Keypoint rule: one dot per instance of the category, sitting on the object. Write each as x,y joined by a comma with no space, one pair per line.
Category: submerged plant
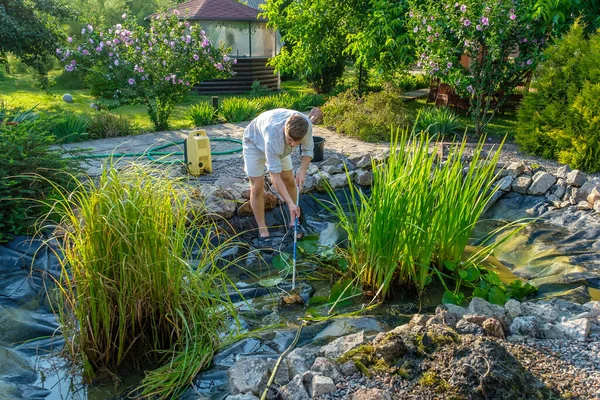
130,294
419,217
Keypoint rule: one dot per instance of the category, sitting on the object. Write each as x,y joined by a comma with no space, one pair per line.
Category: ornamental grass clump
419,216
238,109
134,294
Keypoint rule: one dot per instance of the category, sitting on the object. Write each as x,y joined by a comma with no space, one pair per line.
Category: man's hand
294,211
300,178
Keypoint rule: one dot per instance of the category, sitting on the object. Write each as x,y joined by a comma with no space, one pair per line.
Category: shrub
307,101
417,221
237,109
132,288
28,169
202,114
72,81
369,118
258,90
554,120
410,82
68,127
439,122
12,115
106,125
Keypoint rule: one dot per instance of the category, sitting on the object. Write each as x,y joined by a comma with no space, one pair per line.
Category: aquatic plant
133,291
419,217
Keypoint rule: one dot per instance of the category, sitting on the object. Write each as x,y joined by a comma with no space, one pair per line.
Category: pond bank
523,350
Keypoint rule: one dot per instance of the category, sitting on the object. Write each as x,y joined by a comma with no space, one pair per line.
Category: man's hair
296,126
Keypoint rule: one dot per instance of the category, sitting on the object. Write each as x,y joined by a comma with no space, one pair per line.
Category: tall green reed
131,294
419,216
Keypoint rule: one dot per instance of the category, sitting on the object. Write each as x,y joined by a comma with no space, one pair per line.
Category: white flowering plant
502,40
154,66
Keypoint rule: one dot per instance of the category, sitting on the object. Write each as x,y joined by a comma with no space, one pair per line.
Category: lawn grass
20,90
500,125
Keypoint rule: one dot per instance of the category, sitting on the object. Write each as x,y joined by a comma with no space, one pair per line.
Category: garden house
238,26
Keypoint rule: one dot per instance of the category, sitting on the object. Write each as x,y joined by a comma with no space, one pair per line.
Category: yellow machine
197,153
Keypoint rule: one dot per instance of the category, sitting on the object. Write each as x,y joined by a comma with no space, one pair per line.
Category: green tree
315,32
155,66
502,40
30,31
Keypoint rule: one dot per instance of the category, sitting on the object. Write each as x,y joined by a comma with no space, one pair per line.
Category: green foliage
300,102
558,119
238,109
202,114
369,117
492,289
560,14
68,127
14,115
419,217
106,125
28,170
155,66
408,82
130,291
258,90
315,33
439,122
30,31
502,40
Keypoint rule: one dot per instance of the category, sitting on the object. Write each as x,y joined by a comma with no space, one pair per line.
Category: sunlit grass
133,291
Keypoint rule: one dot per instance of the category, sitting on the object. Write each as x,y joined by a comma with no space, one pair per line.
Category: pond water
559,254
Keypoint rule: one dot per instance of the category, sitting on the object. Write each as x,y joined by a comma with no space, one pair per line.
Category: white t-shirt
267,133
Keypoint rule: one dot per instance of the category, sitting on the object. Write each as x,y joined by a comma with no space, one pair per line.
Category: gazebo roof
217,10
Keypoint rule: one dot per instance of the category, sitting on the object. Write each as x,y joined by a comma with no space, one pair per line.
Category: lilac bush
155,66
501,38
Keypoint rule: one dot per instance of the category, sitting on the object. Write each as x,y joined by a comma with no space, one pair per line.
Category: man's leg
290,184
257,202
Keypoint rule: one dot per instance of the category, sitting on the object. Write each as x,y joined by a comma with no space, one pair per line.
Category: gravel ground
571,370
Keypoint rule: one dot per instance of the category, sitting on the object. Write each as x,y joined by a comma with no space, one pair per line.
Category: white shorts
255,161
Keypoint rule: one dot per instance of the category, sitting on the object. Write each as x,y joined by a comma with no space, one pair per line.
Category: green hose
154,152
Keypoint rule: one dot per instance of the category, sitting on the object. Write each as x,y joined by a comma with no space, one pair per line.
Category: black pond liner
559,253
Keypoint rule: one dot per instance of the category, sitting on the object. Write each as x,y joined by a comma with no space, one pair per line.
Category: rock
245,396
332,169
444,318
451,308
333,160
563,171
584,206
576,178
476,319
468,328
316,116
542,182
559,188
312,169
342,345
594,195
555,200
493,327
67,98
235,187
349,369
338,181
294,390
220,207
321,385
310,184
513,308
597,206
363,178
522,184
364,162
581,193
516,168
543,310
505,183
526,326
593,306
480,306
322,181
389,346
250,375
420,319
371,394
577,329
323,366
301,359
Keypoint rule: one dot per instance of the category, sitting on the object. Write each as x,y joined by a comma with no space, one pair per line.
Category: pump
197,153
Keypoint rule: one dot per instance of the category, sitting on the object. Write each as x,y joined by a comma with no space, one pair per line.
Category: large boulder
482,307
521,184
576,178
526,326
342,345
320,385
323,366
301,359
251,374
542,182
581,193
294,390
